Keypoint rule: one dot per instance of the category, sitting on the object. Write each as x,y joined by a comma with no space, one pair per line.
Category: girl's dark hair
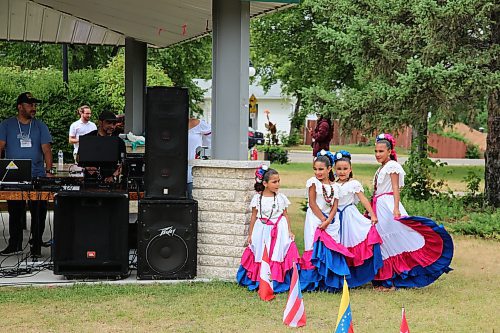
326,161
389,146
348,160
259,187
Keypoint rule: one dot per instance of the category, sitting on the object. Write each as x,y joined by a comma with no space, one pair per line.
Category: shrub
485,225
289,140
275,154
472,151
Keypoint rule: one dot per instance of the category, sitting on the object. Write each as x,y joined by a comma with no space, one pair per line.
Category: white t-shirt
200,135
80,128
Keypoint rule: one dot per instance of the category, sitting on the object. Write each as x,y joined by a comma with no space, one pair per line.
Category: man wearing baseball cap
24,137
106,127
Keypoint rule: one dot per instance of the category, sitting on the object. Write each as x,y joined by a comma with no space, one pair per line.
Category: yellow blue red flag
344,320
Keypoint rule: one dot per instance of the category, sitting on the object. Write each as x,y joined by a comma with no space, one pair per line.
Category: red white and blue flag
404,324
344,320
295,314
266,291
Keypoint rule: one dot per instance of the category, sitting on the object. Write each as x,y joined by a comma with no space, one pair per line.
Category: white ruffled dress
415,250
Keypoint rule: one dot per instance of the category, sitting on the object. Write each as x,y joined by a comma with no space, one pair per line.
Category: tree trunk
295,124
419,135
492,156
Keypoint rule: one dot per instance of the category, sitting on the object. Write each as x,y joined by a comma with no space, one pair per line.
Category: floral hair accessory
392,141
260,172
328,154
342,154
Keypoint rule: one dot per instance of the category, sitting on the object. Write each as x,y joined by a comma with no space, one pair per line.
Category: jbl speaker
167,113
90,234
167,236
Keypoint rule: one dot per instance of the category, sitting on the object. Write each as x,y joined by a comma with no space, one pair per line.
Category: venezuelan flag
344,320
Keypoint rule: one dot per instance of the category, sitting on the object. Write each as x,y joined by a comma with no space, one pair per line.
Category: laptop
98,150
15,171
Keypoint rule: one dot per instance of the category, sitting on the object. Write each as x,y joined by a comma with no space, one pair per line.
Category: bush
421,182
472,151
484,225
289,140
275,154
100,89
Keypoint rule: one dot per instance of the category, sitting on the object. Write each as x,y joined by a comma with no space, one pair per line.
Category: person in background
199,134
322,134
81,127
24,137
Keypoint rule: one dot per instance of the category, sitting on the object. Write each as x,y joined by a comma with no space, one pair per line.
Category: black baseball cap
26,97
107,115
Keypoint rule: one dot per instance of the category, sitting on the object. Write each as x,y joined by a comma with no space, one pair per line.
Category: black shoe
10,250
44,244
35,253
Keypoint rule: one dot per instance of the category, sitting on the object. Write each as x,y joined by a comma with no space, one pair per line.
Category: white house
280,107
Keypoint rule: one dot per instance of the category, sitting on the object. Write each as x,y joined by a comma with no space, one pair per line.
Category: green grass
462,301
295,175
353,149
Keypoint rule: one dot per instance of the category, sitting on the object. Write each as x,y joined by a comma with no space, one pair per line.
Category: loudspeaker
90,234
167,236
167,113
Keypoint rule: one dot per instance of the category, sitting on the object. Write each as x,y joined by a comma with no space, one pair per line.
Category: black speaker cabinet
167,113
167,235
90,234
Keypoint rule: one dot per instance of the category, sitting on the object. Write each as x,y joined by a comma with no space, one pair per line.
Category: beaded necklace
272,208
328,197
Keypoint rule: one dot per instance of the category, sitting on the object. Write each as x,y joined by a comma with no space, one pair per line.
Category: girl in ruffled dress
270,227
415,250
323,264
357,233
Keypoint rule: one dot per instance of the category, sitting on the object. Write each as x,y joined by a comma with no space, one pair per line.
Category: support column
135,83
230,51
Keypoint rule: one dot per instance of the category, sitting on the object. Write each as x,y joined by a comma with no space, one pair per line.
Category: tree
285,49
185,62
28,55
412,59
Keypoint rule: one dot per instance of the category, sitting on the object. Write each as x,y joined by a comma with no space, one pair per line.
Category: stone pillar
224,190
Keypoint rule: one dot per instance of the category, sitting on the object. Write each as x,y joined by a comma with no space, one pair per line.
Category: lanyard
21,132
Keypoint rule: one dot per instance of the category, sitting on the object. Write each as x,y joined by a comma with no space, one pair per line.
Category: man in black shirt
106,127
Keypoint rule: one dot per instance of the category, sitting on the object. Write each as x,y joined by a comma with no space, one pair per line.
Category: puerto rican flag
266,291
344,320
295,314
404,324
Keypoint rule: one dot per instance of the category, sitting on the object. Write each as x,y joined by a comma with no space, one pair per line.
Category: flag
404,324
266,291
344,320
295,314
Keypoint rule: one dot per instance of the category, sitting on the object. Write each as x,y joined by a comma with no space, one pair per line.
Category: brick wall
223,190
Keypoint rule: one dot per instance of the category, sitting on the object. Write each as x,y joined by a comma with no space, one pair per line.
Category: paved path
306,157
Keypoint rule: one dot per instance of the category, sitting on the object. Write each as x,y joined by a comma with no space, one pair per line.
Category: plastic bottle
60,160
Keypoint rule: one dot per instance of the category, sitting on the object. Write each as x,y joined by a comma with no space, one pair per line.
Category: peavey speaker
90,234
167,117
167,235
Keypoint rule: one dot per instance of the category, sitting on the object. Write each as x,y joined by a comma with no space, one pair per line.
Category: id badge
25,143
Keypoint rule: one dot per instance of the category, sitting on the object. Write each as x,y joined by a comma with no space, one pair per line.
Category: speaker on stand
167,117
167,239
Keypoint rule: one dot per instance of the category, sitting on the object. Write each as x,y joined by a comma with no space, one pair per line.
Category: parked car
255,138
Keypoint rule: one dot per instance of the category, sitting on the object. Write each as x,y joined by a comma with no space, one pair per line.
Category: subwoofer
167,236
90,234
167,113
